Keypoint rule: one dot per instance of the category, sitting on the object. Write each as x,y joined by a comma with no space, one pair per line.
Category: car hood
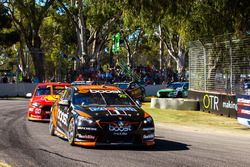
45,100
110,112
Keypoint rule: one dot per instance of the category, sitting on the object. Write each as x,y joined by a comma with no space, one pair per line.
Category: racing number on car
62,117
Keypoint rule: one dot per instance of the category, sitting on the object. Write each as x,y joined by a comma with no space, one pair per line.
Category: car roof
179,82
96,87
53,84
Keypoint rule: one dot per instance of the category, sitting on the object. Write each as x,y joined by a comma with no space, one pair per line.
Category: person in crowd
5,79
79,78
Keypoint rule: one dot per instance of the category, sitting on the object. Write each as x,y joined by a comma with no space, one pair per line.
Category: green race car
175,89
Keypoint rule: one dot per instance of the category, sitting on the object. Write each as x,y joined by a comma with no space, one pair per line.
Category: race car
174,89
45,94
133,89
93,115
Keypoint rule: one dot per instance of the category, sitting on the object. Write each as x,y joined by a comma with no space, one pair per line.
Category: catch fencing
220,64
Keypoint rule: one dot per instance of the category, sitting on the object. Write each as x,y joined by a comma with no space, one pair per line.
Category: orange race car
45,94
91,115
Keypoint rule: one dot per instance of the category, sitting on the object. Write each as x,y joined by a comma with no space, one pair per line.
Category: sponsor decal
87,128
62,117
210,102
85,136
148,129
97,109
120,128
36,116
243,114
51,98
243,111
117,112
105,91
112,108
243,100
31,109
38,111
148,136
229,104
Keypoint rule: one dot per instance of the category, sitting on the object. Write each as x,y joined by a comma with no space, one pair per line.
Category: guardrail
21,89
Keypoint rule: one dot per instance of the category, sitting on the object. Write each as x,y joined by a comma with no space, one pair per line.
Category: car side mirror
28,95
64,102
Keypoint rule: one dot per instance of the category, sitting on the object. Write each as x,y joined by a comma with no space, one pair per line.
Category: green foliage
185,19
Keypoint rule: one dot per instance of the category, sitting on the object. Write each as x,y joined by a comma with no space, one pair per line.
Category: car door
63,110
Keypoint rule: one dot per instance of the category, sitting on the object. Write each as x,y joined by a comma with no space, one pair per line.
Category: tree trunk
37,57
81,33
161,50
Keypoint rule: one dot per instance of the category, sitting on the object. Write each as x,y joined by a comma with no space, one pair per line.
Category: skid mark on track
62,156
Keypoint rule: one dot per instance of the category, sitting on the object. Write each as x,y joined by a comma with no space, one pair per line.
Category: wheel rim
71,130
51,125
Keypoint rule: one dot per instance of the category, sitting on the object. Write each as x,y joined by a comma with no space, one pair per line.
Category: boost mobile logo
119,128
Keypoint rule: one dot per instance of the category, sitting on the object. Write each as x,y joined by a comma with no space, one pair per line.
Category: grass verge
194,119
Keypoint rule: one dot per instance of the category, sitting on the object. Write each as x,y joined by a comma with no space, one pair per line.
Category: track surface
24,143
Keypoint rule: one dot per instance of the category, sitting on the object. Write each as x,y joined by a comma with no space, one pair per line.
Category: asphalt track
24,144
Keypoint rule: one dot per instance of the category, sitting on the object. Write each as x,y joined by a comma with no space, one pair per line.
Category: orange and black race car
92,115
45,94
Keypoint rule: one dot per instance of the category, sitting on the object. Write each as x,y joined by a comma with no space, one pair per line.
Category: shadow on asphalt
161,145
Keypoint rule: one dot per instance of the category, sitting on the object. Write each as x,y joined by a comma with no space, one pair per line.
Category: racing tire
51,127
179,95
71,132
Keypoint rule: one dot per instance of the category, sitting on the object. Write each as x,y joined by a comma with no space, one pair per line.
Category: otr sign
210,102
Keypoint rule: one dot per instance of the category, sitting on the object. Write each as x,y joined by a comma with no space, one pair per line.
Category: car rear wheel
71,131
179,95
51,127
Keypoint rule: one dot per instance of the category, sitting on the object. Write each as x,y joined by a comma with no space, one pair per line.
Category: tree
28,16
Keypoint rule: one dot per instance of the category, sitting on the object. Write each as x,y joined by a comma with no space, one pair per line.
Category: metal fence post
231,64
205,67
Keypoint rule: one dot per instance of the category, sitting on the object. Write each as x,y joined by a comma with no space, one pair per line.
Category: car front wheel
51,127
71,131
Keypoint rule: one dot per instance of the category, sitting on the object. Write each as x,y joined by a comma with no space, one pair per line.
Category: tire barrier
175,103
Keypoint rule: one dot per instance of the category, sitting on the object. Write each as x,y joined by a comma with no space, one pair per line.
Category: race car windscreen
174,86
117,99
43,91
58,90
102,98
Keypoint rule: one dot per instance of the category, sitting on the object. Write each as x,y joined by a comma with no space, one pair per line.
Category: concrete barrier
175,103
151,90
20,89
16,90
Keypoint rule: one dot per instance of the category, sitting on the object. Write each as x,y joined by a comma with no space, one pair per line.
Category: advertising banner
220,104
243,113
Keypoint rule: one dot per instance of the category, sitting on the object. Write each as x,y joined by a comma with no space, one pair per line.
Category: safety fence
219,73
220,64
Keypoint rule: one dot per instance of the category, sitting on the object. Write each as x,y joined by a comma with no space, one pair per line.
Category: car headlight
35,104
148,120
84,119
